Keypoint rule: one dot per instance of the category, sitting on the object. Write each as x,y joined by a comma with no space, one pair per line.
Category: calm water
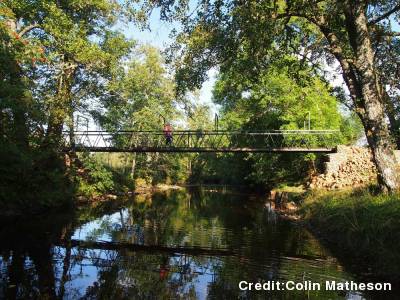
175,245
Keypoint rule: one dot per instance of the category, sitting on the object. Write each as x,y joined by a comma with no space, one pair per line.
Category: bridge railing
202,140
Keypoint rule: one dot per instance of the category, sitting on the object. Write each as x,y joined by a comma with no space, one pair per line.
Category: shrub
96,179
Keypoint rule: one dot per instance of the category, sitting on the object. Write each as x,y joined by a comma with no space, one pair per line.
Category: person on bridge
168,134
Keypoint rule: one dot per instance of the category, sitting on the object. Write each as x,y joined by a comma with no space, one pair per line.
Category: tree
63,51
56,58
143,100
343,31
15,101
280,100
387,47
71,49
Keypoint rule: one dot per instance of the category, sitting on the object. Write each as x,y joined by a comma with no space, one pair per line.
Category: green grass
365,225
299,189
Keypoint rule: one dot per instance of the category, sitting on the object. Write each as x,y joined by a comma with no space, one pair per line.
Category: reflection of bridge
115,246
204,141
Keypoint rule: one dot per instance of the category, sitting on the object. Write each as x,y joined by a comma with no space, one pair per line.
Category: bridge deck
201,150
189,141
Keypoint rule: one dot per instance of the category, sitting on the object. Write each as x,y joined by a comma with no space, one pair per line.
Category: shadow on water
189,245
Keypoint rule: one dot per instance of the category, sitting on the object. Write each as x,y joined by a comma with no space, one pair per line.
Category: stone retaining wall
349,167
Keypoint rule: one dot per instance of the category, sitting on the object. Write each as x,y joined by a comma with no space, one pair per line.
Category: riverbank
365,225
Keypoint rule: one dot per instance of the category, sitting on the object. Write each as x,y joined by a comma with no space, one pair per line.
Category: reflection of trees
156,247
27,248
30,266
150,273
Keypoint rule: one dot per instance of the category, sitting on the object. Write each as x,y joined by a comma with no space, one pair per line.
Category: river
181,244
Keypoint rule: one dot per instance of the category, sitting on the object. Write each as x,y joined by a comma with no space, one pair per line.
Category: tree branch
28,28
391,34
385,15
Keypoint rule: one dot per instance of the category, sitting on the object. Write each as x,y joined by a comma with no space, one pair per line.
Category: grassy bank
362,226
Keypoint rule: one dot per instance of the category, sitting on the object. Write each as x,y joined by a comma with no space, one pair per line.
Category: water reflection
177,245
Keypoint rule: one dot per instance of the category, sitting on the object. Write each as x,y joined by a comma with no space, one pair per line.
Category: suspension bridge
195,141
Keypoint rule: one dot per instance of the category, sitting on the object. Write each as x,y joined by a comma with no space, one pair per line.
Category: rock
291,206
350,166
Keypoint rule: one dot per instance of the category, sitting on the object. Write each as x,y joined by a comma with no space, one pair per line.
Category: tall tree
143,99
56,57
16,56
76,50
218,32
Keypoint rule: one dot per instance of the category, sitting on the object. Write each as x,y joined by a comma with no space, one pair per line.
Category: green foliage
144,100
249,37
55,58
97,181
144,94
350,129
58,59
276,99
28,189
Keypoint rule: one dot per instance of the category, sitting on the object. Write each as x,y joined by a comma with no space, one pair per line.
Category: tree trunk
365,89
61,109
371,104
72,131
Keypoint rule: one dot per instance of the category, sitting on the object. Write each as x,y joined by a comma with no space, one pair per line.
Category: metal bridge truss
203,141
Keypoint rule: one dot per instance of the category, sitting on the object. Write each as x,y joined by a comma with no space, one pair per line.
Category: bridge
195,141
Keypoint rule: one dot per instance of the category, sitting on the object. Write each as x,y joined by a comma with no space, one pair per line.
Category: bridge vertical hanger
80,120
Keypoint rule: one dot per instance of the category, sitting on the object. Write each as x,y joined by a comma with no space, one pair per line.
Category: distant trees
142,93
